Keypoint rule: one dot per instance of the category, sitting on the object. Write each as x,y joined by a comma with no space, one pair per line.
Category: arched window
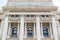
14,32
29,32
45,32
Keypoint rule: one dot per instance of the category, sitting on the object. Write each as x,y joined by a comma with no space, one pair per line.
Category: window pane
14,32
45,31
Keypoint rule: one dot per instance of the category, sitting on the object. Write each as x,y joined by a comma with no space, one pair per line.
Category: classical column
58,28
4,34
22,28
42,30
54,26
50,30
34,31
1,28
25,30
38,28
18,30
9,30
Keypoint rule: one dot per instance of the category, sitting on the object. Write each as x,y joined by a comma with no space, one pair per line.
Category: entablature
30,9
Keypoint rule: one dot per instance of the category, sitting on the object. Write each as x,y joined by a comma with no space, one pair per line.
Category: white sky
55,2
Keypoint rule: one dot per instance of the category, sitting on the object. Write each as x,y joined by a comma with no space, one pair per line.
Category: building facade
29,20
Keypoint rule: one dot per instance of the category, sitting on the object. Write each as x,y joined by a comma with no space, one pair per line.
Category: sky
55,2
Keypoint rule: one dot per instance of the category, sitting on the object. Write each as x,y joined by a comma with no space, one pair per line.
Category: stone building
29,20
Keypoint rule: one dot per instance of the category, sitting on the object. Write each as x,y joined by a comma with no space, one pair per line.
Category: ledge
29,9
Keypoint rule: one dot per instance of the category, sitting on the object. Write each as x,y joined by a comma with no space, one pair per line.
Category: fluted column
58,28
38,28
25,30
1,28
9,30
34,31
4,34
54,26
50,30
42,30
22,28
18,30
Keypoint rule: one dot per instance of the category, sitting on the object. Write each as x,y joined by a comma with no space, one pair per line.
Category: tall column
50,30
9,30
38,28
25,30
4,34
18,30
22,28
1,28
54,26
42,30
34,31
58,28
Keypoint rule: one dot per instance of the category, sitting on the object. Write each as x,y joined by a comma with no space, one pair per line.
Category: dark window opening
14,32
45,32
16,15
12,15
42,15
32,15
27,15
47,15
29,32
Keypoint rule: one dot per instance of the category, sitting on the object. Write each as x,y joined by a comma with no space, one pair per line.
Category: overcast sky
55,2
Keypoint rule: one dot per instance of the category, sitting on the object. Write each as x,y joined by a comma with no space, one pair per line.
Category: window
32,15
47,15
16,15
29,32
27,16
12,15
14,32
45,32
42,15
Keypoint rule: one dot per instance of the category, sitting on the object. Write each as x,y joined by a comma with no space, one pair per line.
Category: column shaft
1,28
18,30
50,30
4,34
34,31
38,28
54,26
25,30
58,28
9,30
42,30
22,28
